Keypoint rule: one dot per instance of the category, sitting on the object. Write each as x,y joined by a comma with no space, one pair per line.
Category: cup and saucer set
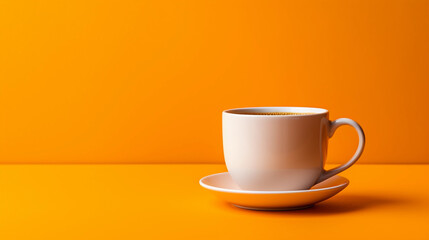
275,158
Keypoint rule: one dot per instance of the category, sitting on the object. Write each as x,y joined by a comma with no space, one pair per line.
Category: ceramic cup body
276,152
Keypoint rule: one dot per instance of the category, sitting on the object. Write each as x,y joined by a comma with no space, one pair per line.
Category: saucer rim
218,189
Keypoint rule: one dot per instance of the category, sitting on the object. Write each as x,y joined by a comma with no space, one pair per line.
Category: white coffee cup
281,152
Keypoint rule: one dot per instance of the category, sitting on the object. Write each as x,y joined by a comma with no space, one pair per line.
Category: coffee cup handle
333,126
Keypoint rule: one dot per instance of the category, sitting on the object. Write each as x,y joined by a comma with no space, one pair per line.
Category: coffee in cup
281,148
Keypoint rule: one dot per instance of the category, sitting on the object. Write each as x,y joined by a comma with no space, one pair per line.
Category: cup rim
238,111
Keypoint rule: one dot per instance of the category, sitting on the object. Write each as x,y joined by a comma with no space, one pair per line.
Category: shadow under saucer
339,204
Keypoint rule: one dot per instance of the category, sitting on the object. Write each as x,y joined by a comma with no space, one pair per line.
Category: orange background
146,81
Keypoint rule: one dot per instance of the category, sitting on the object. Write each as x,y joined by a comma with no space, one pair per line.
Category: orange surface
146,81
166,202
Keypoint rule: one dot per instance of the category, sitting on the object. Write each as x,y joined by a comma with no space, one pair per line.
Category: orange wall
146,81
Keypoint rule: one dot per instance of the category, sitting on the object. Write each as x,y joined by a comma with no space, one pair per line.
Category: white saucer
222,185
